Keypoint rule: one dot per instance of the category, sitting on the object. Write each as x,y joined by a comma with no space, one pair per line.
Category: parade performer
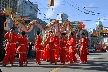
22,48
53,50
72,49
46,47
83,48
56,50
10,48
38,48
63,52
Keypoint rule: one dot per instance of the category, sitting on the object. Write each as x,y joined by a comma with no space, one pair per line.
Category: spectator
30,46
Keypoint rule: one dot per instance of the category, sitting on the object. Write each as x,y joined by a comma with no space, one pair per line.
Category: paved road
97,62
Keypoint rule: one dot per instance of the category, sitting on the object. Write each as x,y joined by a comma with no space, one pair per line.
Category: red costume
43,57
72,50
83,49
10,47
53,45
46,47
38,48
56,44
22,49
63,51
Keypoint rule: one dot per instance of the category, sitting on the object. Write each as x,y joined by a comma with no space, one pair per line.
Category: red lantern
81,23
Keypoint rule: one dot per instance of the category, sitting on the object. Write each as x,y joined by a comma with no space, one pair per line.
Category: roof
104,32
94,34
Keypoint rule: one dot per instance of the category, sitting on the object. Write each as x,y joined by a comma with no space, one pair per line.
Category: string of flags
81,9
84,9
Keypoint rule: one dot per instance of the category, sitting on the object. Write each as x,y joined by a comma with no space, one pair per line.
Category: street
97,62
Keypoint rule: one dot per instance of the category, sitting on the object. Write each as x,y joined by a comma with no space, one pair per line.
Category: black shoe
55,63
47,60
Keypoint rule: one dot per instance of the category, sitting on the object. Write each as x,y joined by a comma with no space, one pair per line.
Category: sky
75,10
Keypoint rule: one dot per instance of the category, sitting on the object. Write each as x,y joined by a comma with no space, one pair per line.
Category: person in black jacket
30,45
2,20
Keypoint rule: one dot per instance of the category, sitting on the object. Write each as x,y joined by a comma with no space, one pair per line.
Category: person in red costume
38,48
10,48
72,49
63,52
22,48
46,46
56,44
83,48
53,45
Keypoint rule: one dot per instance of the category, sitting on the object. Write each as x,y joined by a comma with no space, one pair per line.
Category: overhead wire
93,12
86,11
78,7
84,8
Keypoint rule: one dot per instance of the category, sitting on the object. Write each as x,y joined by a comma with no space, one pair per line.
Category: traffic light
50,3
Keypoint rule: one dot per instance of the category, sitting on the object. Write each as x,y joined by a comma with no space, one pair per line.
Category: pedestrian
38,47
10,48
72,49
30,46
83,48
22,48
63,47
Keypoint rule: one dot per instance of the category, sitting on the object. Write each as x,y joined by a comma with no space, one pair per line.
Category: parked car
91,49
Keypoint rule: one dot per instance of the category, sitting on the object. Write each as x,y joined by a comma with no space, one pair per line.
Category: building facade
74,24
99,35
26,8
62,17
8,3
